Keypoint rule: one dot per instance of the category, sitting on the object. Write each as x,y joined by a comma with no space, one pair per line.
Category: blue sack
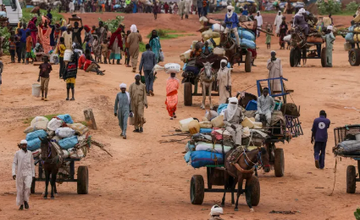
187,156
203,158
349,37
244,34
66,118
33,144
221,108
69,142
205,130
184,67
247,43
35,135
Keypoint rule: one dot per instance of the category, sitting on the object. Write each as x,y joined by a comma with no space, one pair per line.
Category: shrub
352,6
329,7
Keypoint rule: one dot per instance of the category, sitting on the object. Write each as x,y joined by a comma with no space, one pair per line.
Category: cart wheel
255,190
32,189
248,62
197,190
354,57
83,180
350,179
295,57
279,164
323,57
187,94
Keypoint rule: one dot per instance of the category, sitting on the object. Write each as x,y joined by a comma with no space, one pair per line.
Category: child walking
28,47
70,77
268,39
105,50
61,51
44,76
12,48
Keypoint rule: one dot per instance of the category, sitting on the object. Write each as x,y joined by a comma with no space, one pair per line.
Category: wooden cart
82,176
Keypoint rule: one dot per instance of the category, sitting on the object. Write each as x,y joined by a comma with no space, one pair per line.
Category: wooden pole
90,119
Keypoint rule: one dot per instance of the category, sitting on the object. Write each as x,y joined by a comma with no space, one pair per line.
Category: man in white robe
275,70
224,81
232,119
259,21
25,172
277,22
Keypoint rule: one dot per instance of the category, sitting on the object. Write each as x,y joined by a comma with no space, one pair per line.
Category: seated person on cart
232,23
206,50
232,119
265,106
299,21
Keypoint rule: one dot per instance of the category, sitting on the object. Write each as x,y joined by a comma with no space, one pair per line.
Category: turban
122,86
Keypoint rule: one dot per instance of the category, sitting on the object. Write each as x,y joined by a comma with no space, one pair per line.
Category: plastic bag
64,132
69,142
36,135
34,144
54,124
161,56
38,119
79,128
66,118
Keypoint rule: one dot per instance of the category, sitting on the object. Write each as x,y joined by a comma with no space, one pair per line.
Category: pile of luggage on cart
352,37
71,142
347,145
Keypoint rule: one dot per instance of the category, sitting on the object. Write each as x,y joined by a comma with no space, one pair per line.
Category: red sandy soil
149,180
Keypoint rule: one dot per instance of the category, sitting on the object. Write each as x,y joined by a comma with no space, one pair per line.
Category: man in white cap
329,40
224,81
259,21
134,40
122,108
232,119
23,171
275,71
232,23
265,106
138,97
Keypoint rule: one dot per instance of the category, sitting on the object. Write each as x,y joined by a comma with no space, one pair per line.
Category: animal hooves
236,209
45,197
52,197
252,210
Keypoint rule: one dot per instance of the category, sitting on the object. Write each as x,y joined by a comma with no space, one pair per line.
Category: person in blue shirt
23,32
245,11
320,136
232,23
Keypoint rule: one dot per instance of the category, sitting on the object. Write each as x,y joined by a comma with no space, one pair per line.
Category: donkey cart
308,51
348,133
215,177
66,174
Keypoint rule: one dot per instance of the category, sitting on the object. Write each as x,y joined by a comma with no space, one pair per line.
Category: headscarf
153,36
87,28
122,86
230,14
133,28
32,23
300,12
116,34
231,108
330,28
223,61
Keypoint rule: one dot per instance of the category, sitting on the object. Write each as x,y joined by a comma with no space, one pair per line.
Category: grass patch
168,34
27,15
49,117
142,47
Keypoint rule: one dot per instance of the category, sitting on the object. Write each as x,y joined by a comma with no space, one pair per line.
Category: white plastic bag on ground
54,124
64,132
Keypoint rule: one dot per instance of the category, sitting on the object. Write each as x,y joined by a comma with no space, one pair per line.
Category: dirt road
149,180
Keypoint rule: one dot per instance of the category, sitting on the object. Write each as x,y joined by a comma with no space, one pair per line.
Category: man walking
134,40
24,164
138,99
148,62
122,108
320,135
275,71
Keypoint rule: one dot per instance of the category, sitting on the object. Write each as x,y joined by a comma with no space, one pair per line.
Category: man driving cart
232,23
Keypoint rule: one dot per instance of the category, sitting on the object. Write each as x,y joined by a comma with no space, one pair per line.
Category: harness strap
242,170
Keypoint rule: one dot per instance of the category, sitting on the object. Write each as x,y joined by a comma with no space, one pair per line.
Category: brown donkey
243,169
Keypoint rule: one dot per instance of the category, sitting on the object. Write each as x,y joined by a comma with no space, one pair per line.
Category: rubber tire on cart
354,57
187,94
279,163
350,179
323,57
32,189
248,62
83,180
197,190
295,56
255,190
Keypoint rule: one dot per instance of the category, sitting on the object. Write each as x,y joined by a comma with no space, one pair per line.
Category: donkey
243,168
207,77
51,161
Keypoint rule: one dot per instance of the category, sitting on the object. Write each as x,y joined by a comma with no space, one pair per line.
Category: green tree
329,7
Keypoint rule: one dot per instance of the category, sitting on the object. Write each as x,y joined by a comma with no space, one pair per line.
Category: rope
334,177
